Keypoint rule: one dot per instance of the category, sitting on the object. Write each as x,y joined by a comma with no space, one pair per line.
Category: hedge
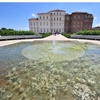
68,35
45,34
9,32
88,32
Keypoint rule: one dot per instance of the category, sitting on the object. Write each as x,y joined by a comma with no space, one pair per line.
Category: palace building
59,20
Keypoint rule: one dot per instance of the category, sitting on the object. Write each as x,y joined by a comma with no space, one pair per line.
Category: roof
43,13
78,12
33,19
57,10
67,14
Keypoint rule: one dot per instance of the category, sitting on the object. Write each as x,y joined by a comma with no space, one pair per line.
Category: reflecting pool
39,71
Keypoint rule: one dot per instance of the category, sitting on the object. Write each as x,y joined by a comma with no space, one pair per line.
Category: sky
15,15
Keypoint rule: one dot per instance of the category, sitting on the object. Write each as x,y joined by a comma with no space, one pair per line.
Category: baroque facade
59,20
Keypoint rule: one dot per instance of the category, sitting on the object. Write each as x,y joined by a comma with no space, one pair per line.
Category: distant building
96,28
59,20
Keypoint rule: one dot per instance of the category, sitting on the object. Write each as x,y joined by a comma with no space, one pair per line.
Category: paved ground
49,38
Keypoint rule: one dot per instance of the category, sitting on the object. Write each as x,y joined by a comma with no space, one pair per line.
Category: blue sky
16,15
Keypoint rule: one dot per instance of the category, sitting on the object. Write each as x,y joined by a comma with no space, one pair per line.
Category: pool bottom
38,80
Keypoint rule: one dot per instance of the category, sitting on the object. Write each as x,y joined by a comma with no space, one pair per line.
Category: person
55,33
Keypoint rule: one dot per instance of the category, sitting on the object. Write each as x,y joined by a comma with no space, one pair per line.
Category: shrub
88,32
45,34
68,35
7,32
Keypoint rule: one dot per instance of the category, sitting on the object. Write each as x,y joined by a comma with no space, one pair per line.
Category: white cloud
33,15
95,17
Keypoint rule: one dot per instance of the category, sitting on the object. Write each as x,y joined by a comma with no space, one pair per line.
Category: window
54,13
43,17
57,18
78,22
51,13
74,22
36,23
41,29
78,17
54,18
81,22
60,13
31,28
51,24
44,23
47,23
67,18
34,28
40,17
60,18
74,17
54,23
44,29
47,17
31,23
40,23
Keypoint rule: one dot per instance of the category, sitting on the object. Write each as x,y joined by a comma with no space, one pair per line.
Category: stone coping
49,38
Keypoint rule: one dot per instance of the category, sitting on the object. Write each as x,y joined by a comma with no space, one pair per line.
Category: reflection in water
68,71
